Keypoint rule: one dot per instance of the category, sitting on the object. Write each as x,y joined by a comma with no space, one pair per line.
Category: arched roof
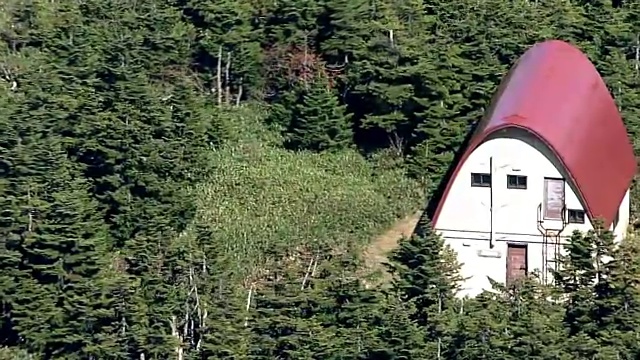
555,93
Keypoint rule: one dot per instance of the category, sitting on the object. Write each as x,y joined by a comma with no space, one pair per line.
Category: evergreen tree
624,305
479,329
584,285
227,35
534,321
63,257
362,323
427,275
223,332
283,320
109,111
320,122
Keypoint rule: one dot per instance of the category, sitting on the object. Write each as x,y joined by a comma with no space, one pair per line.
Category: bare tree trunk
249,295
637,62
304,63
227,80
308,272
240,90
219,76
176,334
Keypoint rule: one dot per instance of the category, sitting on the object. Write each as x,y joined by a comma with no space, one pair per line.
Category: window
516,182
483,180
553,199
576,216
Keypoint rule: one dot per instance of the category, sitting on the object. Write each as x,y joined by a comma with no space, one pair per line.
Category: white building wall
466,222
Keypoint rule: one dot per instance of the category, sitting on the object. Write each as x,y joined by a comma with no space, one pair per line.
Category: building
550,156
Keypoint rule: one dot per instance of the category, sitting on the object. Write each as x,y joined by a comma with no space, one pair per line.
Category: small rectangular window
576,216
516,182
478,179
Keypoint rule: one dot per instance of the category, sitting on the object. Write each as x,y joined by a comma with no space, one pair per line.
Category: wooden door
516,262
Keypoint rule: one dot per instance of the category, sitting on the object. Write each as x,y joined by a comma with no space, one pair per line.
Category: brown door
516,262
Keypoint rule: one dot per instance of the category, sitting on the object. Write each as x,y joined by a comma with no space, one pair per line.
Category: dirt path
376,253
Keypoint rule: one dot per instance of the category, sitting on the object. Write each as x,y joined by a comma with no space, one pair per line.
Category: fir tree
624,305
320,122
359,322
63,251
426,274
478,331
282,322
577,278
534,321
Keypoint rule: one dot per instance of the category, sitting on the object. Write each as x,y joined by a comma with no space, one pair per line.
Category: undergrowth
263,201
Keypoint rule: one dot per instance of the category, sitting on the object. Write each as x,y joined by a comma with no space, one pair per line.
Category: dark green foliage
597,296
318,121
624,303
515,322
332,317
479,330
426,274
109,114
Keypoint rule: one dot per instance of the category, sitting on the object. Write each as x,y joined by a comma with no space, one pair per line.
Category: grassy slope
262,199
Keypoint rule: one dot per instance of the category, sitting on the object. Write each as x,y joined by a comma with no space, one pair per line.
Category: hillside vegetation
199,179
263,201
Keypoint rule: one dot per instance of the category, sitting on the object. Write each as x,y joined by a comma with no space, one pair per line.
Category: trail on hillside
375,255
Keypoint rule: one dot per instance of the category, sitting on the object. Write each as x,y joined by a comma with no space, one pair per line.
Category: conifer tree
534,321
522,320
320,122
425,270
623,271
479,329
227,29
401,337
63,250
426,274
282,320
344,32
388,78
584,285
224,333
362,323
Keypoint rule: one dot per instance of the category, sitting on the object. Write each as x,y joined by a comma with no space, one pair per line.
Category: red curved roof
555,93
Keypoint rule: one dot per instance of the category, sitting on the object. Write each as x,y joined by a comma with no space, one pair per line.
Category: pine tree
534,329
320,122
63,249
359,322
401,337
426,274
227,29
224,333
386,74
577,278
343,32
479,330
624,305
282,321
352,314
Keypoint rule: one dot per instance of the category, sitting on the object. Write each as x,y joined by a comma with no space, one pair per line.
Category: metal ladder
550,237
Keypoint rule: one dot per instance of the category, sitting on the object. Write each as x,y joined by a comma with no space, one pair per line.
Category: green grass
262,199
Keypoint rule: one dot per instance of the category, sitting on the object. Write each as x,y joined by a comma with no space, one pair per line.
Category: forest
193,179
